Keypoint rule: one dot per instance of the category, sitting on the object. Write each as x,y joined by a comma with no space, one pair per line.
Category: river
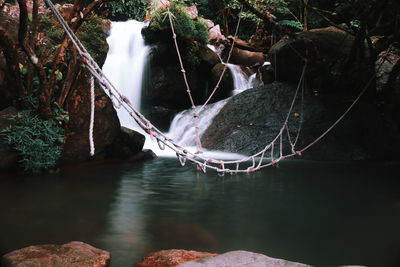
315,213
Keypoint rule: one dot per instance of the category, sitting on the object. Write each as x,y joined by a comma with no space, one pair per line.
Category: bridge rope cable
203,163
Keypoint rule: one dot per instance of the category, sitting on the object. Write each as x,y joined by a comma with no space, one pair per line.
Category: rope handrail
203,163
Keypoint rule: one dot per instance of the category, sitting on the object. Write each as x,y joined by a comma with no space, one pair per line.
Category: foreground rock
171,258
242,258
73,254
184,258
252,119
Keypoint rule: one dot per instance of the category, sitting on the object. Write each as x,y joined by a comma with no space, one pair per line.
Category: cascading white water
182,127
125,64
241,81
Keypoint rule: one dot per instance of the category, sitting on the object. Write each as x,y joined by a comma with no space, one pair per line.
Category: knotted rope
92,107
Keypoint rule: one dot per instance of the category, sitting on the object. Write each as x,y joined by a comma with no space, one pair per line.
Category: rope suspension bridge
264,158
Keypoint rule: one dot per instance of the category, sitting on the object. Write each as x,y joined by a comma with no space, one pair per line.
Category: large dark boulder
326,51
252,119
127,143
388,86
226,85
106,124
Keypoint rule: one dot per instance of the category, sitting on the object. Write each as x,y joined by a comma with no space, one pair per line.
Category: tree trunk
305,16
10,51
72,73
44,108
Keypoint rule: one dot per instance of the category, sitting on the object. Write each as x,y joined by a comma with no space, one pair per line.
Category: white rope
92,108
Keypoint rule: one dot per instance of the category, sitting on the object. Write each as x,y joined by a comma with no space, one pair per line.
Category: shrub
191,33
93,38
39,142
128,9
185,27
53,33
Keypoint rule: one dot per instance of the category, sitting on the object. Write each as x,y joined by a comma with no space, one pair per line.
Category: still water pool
317,213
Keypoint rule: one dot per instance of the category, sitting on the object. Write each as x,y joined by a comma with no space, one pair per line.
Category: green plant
53,33
292,23
192,34
185,27
39,142
128,9
93,38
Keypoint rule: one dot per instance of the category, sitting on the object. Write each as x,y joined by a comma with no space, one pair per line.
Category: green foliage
191,33
185,27
93,38
292,23
53,33
128,9
274,8
39,142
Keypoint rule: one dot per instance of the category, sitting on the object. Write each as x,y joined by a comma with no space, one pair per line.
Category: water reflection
320,214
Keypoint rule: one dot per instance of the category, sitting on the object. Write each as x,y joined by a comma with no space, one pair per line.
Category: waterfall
241,81
182,127
125,64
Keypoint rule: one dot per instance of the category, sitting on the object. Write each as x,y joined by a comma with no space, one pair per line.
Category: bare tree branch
46,93
10,51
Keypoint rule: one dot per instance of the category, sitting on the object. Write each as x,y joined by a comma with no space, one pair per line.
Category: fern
39,142
292,23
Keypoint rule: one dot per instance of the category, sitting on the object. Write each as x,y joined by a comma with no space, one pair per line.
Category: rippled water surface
315,213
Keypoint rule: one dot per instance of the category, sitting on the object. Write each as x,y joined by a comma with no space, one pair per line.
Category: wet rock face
246,58
171,258
225,87
127,143
252,119
106,125
388,85
165,87
73,254
385,67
